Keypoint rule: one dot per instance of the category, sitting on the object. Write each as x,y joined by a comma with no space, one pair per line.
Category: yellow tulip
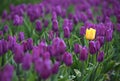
90,34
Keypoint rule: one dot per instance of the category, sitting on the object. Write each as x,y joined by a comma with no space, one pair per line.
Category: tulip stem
39,79
3,60
18,72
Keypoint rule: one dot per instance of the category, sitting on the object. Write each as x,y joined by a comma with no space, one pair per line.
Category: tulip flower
90,34
21,36
92,47
67,58
66,32
77,48
27,61
38,25
109,33
83,54
100,56
55,67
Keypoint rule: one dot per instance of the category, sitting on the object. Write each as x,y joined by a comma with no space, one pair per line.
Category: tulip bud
92,47
82,30
18,20
55,67
45,71
29,44
108,36
21,36
83,54
55,25
4,14
61,47
38,25
7,73
90,34
46,55
5,29
100,39
26,62
77,48
35,53
54,16
67,59
66,32
51,35
18,53
97,45
100,56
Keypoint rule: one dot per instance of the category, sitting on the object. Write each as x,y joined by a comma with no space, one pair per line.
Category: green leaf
78,73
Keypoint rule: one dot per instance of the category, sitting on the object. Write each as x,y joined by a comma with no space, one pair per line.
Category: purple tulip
101,40
50,35
18,53
58,10
92,47
4,46
70,15
61,47
1,33
35,53
46,23
38,25
89,14
83,17
4,14
46,55
27,61
101,29
38,64
54,16
5,29
82,30
100,56
55,25
45,69
65,23
108,36
24,45
70,25
11,42
21,36
55,67
66,32
77,48
18,20
83,54
97,45
54,46
42,47
29,44
67,59
7,73
75,19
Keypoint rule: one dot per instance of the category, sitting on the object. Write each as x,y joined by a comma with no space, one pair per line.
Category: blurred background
4,4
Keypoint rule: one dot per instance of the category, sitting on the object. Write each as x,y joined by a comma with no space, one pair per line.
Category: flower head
100,56
83,54
90,34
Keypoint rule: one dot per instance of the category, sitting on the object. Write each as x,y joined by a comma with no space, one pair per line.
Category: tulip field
60,40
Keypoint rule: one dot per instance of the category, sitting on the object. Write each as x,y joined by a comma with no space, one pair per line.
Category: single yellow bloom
90,34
